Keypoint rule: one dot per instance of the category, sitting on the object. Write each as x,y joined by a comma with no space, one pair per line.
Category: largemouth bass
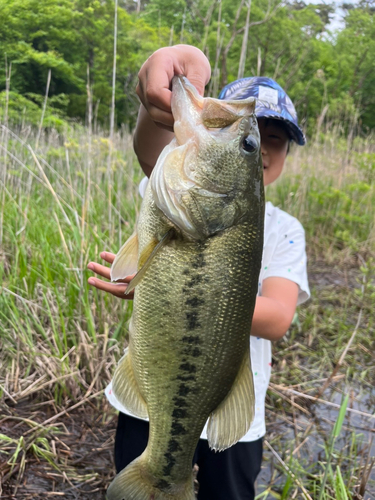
197,248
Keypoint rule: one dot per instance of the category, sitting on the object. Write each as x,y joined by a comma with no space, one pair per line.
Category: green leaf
341,417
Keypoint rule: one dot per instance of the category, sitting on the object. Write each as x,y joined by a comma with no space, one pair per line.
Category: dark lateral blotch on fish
188,367
170,463
162,485
184,390
192,318
179,413
173,445
195,280
191,339
178,429
180,402
186,378
200,262
192,351
194,302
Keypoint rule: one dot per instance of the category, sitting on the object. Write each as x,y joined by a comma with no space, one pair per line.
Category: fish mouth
197,118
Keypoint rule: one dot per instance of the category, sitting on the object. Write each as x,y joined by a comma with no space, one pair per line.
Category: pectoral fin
146,257
125,263
125,387
232,418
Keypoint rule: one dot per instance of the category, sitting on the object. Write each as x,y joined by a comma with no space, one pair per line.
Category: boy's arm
275,308
155,121
149,140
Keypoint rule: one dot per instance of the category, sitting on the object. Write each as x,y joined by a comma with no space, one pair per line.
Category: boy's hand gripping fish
198,249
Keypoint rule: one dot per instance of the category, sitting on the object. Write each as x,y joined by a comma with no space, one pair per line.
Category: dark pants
225,475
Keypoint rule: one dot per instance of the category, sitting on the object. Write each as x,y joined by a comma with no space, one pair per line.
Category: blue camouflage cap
272,102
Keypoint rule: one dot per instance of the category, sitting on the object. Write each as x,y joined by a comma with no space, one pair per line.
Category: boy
231,474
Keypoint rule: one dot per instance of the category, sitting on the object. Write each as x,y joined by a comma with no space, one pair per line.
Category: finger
116,289
103,271
156,100
154,89
155,77
192,63
196,78
161,118
108,256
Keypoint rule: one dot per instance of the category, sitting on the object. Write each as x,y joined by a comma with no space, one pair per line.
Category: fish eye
249,144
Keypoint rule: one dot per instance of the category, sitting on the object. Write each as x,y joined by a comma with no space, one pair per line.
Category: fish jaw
187,107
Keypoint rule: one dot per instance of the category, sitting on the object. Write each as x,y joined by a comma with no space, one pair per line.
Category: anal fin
125,387
233,417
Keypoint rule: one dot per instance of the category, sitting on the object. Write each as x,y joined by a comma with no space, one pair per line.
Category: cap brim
295,132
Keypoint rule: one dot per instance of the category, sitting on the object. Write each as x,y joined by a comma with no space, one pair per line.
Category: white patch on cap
269,95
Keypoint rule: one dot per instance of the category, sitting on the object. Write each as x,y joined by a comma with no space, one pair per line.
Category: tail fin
132,483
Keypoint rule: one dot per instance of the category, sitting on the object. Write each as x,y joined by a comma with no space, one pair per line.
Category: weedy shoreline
64,197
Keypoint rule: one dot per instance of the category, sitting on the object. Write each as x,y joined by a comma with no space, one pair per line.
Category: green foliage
74,38
335,434
340,486
322,72
49,234
28,107
365,162
342,206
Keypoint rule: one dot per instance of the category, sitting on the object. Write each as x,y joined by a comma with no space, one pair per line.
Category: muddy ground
82,454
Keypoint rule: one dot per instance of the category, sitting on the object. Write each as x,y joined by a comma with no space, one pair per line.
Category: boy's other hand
117,289
155,77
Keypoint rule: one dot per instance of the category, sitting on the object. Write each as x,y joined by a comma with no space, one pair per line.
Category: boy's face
274,146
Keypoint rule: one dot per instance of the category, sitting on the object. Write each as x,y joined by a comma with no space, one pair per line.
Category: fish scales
193,355
189,335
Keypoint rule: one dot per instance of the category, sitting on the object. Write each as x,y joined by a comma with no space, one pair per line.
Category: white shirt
284,256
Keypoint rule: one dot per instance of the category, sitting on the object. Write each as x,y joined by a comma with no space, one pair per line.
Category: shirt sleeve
142,186
289,258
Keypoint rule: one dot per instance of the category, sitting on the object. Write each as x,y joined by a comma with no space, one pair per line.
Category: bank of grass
64,197
329,185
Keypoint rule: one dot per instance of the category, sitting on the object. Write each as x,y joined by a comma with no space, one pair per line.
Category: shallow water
281,433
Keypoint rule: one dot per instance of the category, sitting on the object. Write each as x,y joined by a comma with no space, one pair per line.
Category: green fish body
198,249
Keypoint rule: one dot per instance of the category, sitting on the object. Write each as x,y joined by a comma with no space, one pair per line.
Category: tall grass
329,185
60,339
54,223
